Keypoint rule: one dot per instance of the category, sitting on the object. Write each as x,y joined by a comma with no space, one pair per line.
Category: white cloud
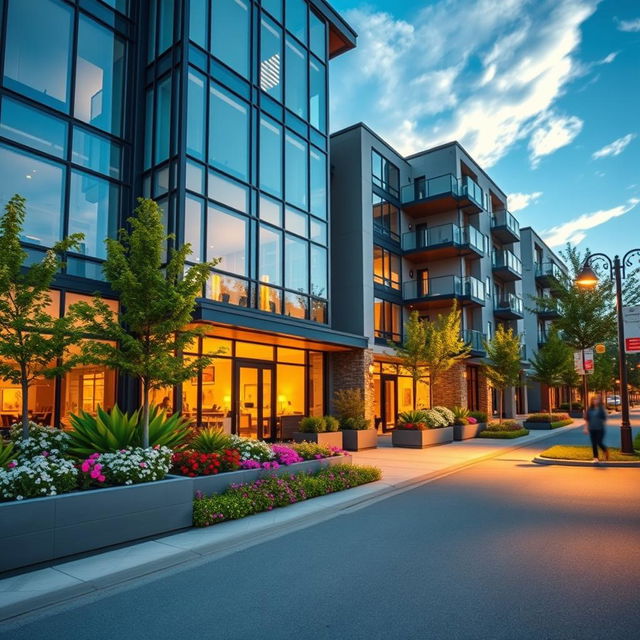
575,230
629,25
608,59
553,133
520,201
615,148
486,73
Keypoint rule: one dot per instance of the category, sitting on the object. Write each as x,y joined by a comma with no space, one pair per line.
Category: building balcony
506,265
443,241
475,340
543,336
549,311
548,275
509,307
433,291
443,193
505,227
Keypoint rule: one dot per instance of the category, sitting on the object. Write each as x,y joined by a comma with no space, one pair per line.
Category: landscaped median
547,421
505,430
582,455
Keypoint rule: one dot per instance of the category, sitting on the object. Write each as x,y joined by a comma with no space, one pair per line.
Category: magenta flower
85,466
101,478
95,474
12,464
45,454
143,465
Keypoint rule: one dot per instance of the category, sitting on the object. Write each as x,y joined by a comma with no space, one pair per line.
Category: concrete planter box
421,439
43,529
325,439
467,431
218,483
536,426
359,439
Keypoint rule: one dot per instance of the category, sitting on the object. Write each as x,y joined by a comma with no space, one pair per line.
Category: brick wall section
484,393
450,389
350,370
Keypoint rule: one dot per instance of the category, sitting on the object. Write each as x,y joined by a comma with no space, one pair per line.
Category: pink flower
85,466
101,478
12,464
97,467
93,456
94,474
45,454
143,465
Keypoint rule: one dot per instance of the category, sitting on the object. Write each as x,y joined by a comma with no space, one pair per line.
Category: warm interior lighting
587,277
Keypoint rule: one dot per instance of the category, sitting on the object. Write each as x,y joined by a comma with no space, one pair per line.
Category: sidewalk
401,468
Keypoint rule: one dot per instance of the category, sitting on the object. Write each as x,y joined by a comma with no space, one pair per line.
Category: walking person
595,421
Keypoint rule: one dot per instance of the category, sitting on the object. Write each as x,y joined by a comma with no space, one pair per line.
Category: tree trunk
415,389
500,405
145,414
24,383
550,398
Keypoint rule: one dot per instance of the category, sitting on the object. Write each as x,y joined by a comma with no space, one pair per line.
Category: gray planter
421,439
326,439
467,431
357,440
218,483
43,529
537,426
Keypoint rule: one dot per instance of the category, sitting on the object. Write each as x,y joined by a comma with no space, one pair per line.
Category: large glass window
317,95
274,7
198,21
41,183
196,114
271,59
99,76
271,156
386,217
296,170
33,128
386,268
296,79
193,214
230,20
163,120
93,211
296,222
317,35
385,174
319,272
228,289
228,192
318,179
37,50
270,271
296,17
229,133
296,264
291,389
227,239
96,152
387,320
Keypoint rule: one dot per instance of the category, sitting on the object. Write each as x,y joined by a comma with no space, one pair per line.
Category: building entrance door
255,400
389,398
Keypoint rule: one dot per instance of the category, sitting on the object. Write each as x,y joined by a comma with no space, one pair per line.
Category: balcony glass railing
444,234
445,286
475,339
549,269
507,220
423,188
505,259
471,189
509,302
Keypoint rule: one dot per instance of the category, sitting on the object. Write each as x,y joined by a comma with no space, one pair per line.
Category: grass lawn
561,423
564,452
504,435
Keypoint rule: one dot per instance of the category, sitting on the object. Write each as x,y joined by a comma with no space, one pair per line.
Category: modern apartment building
421,232
542,268
218,110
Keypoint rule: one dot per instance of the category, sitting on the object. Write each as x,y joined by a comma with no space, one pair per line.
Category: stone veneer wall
450,389
350,370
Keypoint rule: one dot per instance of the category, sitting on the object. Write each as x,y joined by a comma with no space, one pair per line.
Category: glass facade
387,320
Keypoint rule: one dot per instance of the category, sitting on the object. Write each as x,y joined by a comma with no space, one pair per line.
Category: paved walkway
402,469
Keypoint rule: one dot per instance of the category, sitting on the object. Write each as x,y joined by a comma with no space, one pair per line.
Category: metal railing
505,259
444,234
549,269
505,219
509,302
444,286
475,339
423,188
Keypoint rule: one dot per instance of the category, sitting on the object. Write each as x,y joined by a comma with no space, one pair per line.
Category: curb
586,463
237,537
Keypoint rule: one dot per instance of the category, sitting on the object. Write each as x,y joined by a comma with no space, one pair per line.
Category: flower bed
506,429
547,420
266,494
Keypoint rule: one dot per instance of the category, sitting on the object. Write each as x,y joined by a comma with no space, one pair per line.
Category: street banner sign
583,361
577,362
631,319
601,348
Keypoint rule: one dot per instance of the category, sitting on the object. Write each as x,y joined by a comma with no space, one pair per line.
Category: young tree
157,302
551,362
604,373
32,341
503,362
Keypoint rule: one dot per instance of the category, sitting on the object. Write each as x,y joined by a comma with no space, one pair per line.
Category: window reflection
193,214
99,76
296,14
230,21
296,171
228,192
296,264
317,95
270,156
196,113
319,272
96,152
163,120
296,79
319,311
227,289
270,256
269,299
37,50
295,305
216,394
271,59
227,239
316,383
317,35
318,170
41,183
295,222
271,211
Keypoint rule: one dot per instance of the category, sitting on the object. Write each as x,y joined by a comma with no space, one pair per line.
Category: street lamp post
588,278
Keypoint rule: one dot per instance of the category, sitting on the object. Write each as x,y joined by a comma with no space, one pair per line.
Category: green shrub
480,416
211,440
411,417
348,403
312,450
547,417
459,412
6,452
114,430
332,424
636,442
312,424
561,423
269,493
447,414
461,422
504,435
505,425
359,423
575,406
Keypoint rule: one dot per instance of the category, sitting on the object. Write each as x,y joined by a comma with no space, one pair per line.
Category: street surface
502,549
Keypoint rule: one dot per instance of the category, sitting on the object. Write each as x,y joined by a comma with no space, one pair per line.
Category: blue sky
545,94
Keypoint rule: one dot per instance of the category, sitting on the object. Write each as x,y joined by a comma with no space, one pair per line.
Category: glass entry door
389,402
254,393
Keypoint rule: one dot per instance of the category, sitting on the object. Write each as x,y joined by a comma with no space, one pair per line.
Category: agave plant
113,430
210,440
6,453
411,417
460,412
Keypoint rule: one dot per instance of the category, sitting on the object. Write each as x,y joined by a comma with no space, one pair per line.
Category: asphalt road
504,549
